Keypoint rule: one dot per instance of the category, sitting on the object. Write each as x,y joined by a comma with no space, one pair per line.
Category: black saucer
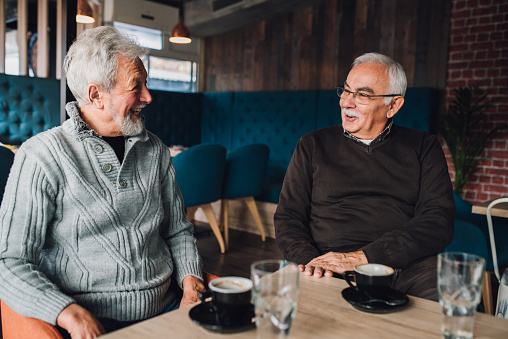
397,300
203,315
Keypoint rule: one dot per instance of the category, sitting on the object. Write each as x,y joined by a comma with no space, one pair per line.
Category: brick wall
478,55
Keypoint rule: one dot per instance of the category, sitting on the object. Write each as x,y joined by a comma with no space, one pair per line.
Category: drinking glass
459,282
275,290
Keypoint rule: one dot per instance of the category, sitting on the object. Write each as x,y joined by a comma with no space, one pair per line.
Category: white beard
128,126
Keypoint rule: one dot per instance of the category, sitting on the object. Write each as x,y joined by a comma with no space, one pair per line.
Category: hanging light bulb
180,34
85,13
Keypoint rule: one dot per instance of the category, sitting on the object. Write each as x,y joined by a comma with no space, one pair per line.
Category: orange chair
15,326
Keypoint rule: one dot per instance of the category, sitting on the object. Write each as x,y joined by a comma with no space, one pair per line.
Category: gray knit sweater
78,226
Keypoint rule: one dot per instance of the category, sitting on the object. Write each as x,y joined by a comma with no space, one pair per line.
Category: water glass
459,282
502,297
275,291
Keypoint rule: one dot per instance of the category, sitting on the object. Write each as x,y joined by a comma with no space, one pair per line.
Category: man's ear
394,106
95,94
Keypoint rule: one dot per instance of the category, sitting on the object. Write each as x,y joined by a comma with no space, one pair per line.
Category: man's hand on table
333,262
80,323
192,286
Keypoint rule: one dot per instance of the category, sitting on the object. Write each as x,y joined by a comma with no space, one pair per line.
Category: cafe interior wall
441,44
478,55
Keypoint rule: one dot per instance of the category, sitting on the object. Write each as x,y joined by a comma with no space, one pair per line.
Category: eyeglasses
361,98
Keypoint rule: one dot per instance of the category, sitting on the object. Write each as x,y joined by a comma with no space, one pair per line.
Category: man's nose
348,101
146,97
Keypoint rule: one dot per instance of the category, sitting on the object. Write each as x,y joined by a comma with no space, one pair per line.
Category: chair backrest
245,171
6,160
200,173
492,237
468,238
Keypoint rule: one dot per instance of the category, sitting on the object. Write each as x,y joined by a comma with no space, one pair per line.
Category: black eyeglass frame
364,95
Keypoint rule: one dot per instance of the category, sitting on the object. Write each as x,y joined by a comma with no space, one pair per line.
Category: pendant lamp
180,34
85,13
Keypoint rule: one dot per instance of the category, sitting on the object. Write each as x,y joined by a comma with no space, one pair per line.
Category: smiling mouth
136,110
350,114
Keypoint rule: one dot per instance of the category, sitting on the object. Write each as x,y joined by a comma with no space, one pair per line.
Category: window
170,67
11,53
170,74
146,37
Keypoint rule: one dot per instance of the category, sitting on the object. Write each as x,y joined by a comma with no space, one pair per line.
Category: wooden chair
243,179
199,175
492,237
15,326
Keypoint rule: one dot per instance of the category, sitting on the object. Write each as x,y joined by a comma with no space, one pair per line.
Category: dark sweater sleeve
291,218
431,229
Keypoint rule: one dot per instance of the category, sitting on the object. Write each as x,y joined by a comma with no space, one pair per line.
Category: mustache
350,113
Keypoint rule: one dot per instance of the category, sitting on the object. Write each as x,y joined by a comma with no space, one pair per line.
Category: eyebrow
361,89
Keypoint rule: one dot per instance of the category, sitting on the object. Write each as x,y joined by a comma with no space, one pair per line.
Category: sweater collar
379,138
82,130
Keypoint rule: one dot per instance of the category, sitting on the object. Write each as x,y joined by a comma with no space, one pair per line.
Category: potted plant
463,129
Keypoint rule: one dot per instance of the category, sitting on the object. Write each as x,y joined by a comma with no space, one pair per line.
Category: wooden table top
499,210
323,313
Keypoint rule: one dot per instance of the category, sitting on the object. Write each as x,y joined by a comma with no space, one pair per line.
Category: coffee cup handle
204,295
348,275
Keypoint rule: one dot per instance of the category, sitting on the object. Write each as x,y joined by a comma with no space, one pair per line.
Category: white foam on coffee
374,269
231,284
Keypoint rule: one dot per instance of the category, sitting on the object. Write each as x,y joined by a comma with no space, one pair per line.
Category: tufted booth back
175,117
231,119
27,106
279,119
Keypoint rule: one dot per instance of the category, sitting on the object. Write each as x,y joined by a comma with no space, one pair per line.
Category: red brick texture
478,55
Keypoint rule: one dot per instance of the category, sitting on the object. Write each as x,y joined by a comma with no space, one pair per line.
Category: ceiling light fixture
85,13
180,34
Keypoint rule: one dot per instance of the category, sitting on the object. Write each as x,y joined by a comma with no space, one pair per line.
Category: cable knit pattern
78,226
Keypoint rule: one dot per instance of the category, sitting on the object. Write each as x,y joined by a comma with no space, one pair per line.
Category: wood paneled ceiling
210,17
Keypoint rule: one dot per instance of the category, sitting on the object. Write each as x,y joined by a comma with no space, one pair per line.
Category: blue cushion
27,106
468,238
245,171
200,173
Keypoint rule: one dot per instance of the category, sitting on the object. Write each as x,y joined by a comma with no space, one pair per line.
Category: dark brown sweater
392,199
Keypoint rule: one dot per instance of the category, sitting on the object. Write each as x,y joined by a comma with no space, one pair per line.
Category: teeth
136,111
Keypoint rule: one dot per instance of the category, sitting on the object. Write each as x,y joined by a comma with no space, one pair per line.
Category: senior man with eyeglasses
368,191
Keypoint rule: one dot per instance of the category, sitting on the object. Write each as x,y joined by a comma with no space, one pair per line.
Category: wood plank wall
313,48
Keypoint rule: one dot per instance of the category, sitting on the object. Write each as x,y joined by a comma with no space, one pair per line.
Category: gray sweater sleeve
26,210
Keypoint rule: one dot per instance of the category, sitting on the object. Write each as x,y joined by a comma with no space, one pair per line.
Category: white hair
396,74
93,58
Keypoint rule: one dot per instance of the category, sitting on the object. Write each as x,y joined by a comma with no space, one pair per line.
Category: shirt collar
379,138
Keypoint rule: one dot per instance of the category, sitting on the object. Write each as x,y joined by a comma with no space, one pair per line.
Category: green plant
462,127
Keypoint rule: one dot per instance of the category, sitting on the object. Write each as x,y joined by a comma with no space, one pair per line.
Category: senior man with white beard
93,231
368,191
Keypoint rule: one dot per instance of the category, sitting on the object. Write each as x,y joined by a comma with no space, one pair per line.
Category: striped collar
379,138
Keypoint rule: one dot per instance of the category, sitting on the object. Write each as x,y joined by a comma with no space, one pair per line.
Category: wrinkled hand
192,286
80,323
331,262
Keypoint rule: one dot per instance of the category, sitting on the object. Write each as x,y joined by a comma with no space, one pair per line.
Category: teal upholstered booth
279,119
231,119
27,106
